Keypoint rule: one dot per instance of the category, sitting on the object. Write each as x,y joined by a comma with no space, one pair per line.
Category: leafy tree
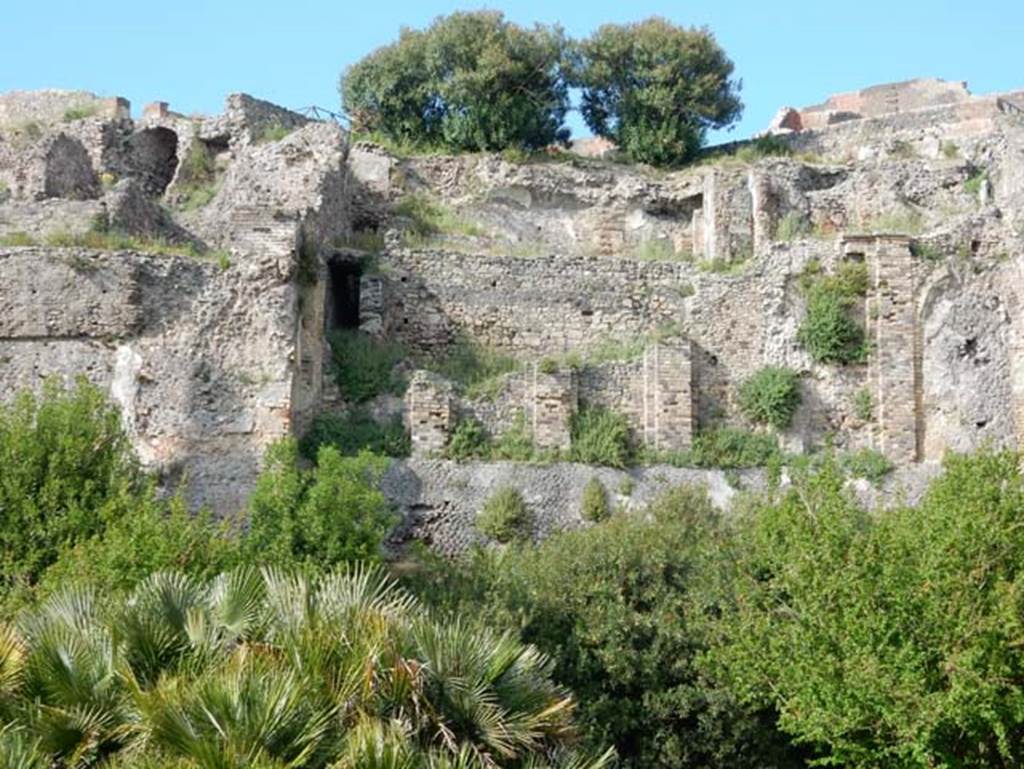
66,470
470,81
655,88
894,637
619,607
331,514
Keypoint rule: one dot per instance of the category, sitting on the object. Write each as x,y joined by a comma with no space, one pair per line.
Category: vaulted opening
343,294
154,158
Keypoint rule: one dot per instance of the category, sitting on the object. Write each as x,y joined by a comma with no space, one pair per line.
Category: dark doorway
343,304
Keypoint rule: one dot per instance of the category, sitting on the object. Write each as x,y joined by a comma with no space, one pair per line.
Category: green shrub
471,81
505,516
152,535
18,239
594,502
330,514
273,132
828,331
619,606
771,396
66,471
479,370
866,463
863,408
950,150
469,440
888,636
74,114
273,668
354,432
792,226
600,436
731,447
365,367
973,184
516,443
428,216
763,147
633,92
627,486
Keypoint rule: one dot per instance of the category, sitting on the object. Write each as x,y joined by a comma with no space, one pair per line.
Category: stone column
429,413
668,396
763,209
554,399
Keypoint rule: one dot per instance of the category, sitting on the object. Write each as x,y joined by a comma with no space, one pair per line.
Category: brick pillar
668,396
554,399
429,413
894,367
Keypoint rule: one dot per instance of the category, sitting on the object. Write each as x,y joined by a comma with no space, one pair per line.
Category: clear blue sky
192,53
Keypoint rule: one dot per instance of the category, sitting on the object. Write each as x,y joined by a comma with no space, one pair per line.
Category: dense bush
330,514
469,440
66,471
829,332
891,637
271,669
617,607
505,516
655,88
731,448
470,81
365,367
594,502
354,432
771,396
600,436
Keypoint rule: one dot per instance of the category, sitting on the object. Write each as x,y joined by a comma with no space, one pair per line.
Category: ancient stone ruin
213,342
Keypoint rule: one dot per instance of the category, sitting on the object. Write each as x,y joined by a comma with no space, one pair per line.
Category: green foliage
771,396
594,502
627,486
505,516
151,535
479,370
617,606
469,440
429,218
66,471
365,367
17,239
354,432
792,226
731,447
600,436
655,88
273,132
330,514
101,239
196,182
470,81
828,331
863,407
763,147
866,463
74,114
890,637
516,443
973,184
271,669
950,150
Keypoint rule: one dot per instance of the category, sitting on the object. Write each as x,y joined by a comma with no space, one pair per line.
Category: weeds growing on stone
600,436
428,218
505,516
364,367
477,368
79,113
863,408
594,501
17,239
770,396
973,184
273,132
792,226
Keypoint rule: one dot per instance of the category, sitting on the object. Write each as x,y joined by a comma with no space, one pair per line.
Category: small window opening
343,307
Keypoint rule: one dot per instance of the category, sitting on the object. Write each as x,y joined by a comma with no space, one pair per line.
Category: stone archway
68,171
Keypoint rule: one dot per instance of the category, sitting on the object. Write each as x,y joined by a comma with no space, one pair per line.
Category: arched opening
69,173
154,158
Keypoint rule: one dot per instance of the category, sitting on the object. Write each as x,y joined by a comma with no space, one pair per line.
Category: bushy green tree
470,81
619,607
331,514
66,471
893,637
655,88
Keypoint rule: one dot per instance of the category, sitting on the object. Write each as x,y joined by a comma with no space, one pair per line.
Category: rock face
654,294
